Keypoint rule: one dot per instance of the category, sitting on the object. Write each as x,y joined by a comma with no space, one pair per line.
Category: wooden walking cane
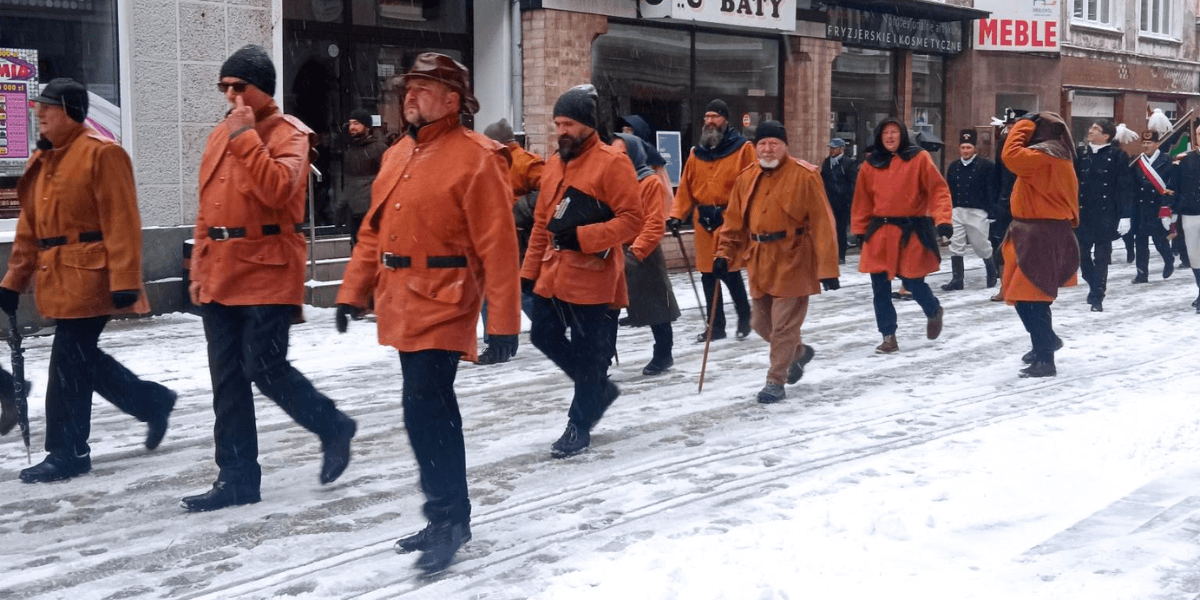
688,263
712,313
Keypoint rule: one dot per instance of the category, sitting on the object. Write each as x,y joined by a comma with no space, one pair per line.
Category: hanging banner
1017,26
760,14
18,86
883,30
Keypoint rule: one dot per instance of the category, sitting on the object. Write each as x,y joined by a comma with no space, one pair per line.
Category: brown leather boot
889,345
934,327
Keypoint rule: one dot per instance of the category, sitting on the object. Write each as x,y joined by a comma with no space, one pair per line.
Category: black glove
526,286
945,230
567,240
631,257
500,349
830,284
1035,117
345,312
674,224
9,300
123,298
720,267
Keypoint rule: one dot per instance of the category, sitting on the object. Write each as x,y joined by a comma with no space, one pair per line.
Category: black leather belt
392,261
87,236
763,238
221,234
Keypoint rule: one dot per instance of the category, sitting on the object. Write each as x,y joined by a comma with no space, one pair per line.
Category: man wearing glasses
248,279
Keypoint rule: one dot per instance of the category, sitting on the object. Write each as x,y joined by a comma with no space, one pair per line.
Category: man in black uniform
360,165
972,181
1105,185
1153,172
839,173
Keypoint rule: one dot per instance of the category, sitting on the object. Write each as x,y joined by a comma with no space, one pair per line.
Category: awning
919,9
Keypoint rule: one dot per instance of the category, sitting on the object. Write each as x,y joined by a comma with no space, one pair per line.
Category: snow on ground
934,473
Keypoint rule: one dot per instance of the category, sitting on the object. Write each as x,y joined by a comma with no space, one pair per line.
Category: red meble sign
1018,25
1011,34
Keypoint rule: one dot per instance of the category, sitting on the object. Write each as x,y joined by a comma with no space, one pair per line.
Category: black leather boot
993,275
956,277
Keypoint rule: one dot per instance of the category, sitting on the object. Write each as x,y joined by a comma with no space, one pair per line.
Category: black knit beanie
579,104
362,116
770,129
252,65
718,106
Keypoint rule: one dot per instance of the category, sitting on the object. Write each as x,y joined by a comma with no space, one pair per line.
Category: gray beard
710,136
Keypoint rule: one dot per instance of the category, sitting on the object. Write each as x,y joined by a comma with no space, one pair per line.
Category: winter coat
1106,188
257,179
839,181
651,298
1186,200
788,200
1146,199
360,165
973,185
705,186
84,186
441,211
526,170
604,173
904,189
1044,201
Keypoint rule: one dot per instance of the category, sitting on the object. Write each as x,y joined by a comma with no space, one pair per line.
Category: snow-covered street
935,473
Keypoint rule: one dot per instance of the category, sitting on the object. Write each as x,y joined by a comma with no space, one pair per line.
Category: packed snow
933,473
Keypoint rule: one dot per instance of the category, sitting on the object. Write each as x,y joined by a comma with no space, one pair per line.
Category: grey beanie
500,131
252,65
579,104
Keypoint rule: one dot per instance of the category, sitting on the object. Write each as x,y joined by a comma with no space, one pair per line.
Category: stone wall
556,56
808,79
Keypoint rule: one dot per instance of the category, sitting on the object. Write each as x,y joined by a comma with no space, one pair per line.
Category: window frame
1162,19
1114,8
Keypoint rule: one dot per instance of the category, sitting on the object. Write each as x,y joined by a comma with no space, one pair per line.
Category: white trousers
1191,237
970,228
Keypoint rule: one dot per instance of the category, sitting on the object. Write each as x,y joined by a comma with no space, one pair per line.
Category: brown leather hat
447,71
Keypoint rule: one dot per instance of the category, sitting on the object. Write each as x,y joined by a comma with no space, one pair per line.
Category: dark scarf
637,154
879,157
732,142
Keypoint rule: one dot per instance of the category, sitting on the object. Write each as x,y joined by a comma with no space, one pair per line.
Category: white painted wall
493,63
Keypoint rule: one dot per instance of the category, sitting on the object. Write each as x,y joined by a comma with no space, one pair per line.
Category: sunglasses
238,87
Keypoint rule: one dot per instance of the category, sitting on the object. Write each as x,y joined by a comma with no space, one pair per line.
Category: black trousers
1142,247
1095,252
885,311
664,339
77,368
584,356
841,217
1037,320
737,291
249,344
435,431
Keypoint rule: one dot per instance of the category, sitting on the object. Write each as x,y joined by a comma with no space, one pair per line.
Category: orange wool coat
606,174
1046,188
912,188
84,185
526,171
708,183
652,192
787,198
259,177
444,194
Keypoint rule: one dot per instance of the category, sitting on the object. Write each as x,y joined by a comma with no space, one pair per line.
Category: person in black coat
360,165
1185,204
1105,187
839,173
1150,197
972,181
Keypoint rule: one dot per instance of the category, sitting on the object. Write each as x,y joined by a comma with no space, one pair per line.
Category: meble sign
762,14
1018,26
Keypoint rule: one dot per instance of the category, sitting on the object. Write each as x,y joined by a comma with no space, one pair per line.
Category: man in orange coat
780,224
901,206
80,234
1040,251
248,279
577,269
704,185
437,240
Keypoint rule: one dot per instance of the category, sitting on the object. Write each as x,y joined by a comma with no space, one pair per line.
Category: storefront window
423,15
928,101
863,94
668,75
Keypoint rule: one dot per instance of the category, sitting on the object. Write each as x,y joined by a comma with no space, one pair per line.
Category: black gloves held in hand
830,284
124,298
567,240
500,349
345,312
526,286
9,300
674,224
720,267
945,230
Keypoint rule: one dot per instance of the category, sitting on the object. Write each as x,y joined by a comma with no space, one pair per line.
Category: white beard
768,164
